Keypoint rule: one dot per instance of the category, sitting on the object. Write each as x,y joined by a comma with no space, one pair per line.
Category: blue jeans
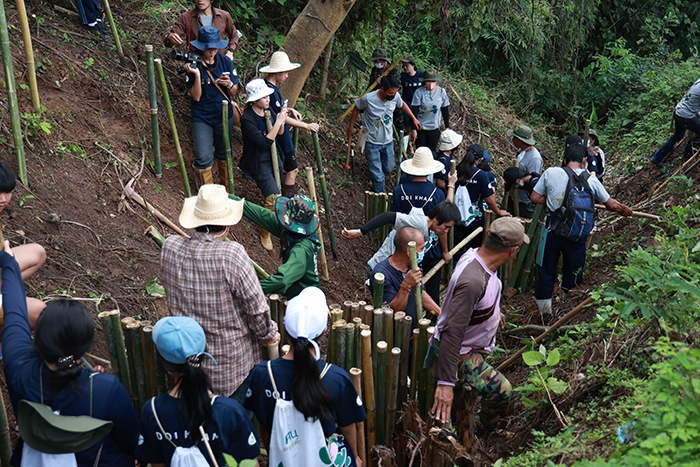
209,142
682,124
574,254
380,159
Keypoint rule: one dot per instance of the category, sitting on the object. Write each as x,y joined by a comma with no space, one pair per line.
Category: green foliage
541,379
661,282
155,289
35,122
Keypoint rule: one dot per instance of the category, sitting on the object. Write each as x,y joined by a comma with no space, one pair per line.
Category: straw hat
279,63
449,139
422,163
211,206
257,89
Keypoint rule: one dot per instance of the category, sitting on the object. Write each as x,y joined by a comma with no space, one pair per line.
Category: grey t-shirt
206,20
553,183
532,162
417,221
690,104
428,105
378,116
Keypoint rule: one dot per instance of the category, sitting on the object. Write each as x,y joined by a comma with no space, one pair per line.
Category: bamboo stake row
375,204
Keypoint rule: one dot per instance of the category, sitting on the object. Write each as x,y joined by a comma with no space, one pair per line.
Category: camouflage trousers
495,390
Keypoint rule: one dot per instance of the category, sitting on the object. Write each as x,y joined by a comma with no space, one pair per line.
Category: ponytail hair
194,401
64,331
311,397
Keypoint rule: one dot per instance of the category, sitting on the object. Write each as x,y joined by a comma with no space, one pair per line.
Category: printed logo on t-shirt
249,393
140,440
251,439
359,401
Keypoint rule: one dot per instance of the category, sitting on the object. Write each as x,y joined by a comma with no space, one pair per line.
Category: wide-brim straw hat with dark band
523,133
209,37
211,206
279,63
297,214
379,54
430,75
422,163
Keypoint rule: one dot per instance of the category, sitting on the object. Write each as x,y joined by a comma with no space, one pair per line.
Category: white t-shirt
553,183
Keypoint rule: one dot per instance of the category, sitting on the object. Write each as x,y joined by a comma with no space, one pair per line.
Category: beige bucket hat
211,206
279,63
449,139
422,163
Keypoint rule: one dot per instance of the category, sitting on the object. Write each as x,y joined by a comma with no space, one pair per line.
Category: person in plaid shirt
214,282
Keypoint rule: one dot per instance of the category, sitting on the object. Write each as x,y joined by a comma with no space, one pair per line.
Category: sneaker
103,28
97,28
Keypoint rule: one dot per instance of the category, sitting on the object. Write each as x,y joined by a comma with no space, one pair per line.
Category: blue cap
179,337
486,156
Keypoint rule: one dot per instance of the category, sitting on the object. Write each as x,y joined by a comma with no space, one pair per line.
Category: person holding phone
210,82
186,29
278,72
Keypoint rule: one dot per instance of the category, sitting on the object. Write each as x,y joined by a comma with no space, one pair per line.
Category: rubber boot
545,306
223,173
265,236
289,190
203,176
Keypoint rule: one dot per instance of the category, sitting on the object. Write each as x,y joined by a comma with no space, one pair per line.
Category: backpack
575,218
467,208
298,441
51,439
187,456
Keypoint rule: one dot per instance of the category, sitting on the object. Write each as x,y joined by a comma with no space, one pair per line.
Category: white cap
307,316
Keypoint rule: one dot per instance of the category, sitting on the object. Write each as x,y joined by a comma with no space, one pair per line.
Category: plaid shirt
214,282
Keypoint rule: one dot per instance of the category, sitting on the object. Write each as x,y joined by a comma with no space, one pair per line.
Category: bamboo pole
377,327
634,213
459,246
120,349
367,314
398,342
273,151
378,293
109,339
115,32
155,235
131,193
366,335
336,314
324,192
155,132
403,368
520,259
356,378
322,262
295,136
512,359
284,338
29,53
423,325
381,391
12,104
149,361
417,291
431,377
349,346
347,307
173,126
136,356
341,340
231,188
273,351
367,211
5,441
358,341
391,399
527,274
259,270
414,366
355,311
389,326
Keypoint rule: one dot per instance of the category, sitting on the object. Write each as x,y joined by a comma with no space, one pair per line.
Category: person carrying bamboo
171,422
186,28
308,409
214,282
295,223
400,278
278,72
466,330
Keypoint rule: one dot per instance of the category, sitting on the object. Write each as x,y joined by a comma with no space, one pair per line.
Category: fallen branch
131,193
453,251
634,213
508,363
678,170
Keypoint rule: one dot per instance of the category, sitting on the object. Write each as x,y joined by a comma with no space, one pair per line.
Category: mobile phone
225,74
284,105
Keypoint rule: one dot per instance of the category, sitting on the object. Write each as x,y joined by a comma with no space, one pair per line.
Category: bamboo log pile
376,204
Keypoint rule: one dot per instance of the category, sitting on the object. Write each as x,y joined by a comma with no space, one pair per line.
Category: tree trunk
324,73
307,38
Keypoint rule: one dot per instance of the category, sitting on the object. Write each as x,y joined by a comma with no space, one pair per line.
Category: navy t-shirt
392,284
229,431
208,108
348,410
446,161
409,84
411,194
480,187
276,103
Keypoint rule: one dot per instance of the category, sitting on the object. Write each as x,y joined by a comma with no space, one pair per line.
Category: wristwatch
230,87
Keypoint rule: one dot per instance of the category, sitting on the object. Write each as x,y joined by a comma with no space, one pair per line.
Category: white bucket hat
257,89
306,316
449,139
211,206
279,63
422,163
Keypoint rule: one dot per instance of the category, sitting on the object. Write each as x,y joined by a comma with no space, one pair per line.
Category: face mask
419,256
388,97
521,183
378,65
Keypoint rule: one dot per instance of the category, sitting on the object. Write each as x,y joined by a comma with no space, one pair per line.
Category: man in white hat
214,282
278,72
449,141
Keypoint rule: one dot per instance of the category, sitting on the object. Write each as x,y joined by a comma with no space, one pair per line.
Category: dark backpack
575,218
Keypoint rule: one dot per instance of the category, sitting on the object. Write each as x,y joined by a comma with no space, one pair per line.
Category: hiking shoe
103,28
658,164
